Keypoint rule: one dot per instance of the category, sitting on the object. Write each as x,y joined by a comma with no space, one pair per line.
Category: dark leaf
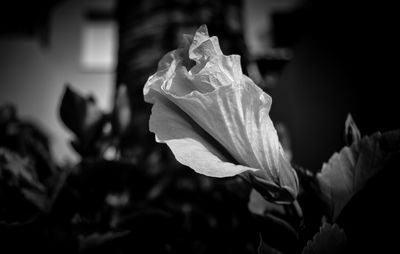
371,216
329,240
351,131
264,248
8,113
82,116
122,112
96,240
18,171
348,171
278,233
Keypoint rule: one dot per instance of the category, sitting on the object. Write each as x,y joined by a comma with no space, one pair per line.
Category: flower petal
204,47
220,101
241,124
190,145
237,117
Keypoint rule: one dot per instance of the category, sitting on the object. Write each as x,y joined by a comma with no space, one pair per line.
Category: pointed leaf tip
330,239
348,171
351,131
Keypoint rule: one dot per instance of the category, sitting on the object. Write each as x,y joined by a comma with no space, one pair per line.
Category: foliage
133,198
129,195
119,202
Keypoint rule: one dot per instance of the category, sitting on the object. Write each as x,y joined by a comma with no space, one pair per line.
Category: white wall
33,77
257,23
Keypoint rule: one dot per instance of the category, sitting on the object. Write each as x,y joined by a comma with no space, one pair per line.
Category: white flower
215,119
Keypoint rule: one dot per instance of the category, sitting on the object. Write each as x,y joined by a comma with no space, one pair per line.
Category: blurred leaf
264,248
37,147
18,171
39,199
278,233
92,182
348,171
107,175
117,199
122,111
97,239
27,139
82,116
260,206
8,112
308,181
38,235
311,201
329,240
351,131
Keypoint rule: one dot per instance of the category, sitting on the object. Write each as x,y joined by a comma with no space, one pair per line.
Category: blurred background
79,168
318,60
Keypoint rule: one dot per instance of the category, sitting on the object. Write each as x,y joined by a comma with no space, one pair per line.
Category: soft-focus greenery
133,197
